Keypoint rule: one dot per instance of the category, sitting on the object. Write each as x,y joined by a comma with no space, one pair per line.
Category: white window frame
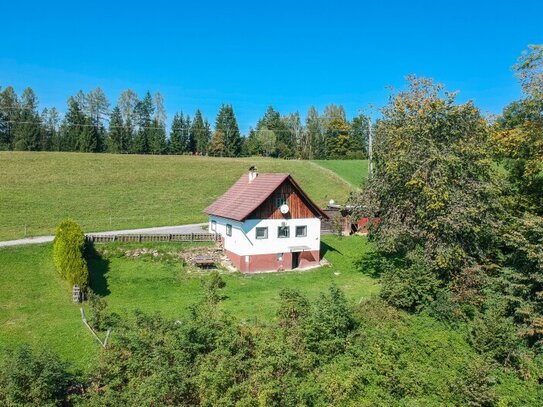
279,233
228,229
213,225
304,228
261,228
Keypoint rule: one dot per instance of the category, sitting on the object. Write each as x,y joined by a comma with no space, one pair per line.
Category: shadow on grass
325,248
98,268
374,263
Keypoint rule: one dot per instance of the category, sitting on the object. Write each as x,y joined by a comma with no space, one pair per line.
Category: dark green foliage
293,308
227,125
32,379
180,140
412,286
98,306
359,137
69,253
72,126
139,126
90,139
200,133
118,140
212,284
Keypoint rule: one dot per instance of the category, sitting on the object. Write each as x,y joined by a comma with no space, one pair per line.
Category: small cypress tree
68,253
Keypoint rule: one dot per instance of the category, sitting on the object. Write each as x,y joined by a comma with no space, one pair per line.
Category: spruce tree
359,136
117,138
179,135
227,124
143,113
313,140
72,126
9,114
89,138
200,133
27,131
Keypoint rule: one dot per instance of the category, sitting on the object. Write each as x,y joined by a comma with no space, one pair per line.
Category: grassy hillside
105,191
353,171
35,304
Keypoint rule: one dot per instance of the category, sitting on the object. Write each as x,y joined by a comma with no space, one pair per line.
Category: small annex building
267,223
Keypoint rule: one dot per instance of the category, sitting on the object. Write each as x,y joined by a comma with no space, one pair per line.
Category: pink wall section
269,262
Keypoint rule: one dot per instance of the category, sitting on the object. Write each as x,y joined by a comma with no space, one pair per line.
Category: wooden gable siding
298,209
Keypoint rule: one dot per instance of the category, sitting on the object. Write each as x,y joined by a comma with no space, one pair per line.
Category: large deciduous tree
434,187
519,134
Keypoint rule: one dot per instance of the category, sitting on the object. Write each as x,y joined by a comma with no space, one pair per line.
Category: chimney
253,172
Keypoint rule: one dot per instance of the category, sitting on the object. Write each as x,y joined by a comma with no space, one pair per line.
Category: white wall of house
244,242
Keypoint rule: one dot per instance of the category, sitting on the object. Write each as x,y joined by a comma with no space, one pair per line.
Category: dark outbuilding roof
245,196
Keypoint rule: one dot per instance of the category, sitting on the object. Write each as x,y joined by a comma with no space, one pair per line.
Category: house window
261,233
228,230
280,201
301,231
279,256
213,225
283,231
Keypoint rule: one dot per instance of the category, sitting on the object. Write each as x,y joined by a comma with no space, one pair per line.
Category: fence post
170,237
192,237
139,238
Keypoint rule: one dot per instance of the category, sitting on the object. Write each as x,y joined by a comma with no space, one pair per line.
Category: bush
30,379
412,287
68,253
98,307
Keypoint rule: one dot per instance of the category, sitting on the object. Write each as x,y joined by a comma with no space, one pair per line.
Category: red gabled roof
244,197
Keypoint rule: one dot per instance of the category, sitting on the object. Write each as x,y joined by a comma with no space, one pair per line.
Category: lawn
107,191
35,304
352,171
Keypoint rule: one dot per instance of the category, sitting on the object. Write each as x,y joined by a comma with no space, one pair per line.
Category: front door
295,260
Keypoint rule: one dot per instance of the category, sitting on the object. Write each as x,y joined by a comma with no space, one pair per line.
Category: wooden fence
139,238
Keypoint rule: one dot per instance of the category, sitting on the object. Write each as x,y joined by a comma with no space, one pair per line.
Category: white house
267,223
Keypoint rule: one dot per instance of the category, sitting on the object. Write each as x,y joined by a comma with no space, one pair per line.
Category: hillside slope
352,171
106,191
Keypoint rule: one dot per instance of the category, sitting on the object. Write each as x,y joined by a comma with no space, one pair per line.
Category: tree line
138,126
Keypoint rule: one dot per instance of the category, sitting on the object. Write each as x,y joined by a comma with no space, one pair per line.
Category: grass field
353,171
107,192
35,304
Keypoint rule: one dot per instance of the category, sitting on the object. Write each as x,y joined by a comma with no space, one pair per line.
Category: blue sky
253,54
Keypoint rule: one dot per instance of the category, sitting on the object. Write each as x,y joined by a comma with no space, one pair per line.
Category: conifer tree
143,113
9,114
200,133
27,131
117,141
72,126
313,141
227,124
89,138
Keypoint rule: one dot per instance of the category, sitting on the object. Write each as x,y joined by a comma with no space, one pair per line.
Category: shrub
32,379
68,253
98,307
412,287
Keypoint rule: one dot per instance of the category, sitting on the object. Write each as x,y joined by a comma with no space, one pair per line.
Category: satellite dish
284,209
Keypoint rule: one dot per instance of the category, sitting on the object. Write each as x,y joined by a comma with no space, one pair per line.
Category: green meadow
108,191
36,308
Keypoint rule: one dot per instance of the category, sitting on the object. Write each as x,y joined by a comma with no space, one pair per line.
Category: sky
253,54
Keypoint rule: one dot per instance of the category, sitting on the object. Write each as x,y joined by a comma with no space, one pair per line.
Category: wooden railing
139,238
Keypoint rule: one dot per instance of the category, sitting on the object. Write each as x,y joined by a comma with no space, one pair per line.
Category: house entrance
295,260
